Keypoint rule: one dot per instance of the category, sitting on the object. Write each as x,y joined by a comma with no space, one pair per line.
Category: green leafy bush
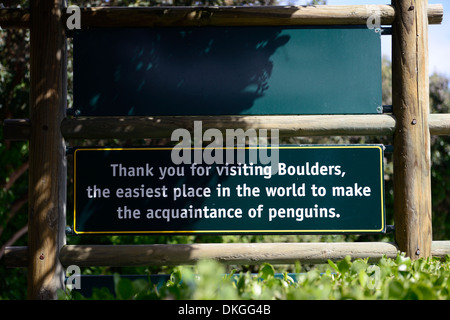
397,279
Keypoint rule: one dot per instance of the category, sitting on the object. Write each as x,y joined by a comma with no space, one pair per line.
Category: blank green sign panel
227,71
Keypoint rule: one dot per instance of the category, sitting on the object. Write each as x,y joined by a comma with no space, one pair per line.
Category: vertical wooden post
410,87
47,171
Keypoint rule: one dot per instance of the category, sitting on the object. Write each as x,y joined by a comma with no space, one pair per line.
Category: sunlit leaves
394,279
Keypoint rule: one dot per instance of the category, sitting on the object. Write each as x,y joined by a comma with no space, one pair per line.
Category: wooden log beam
187,254
16,257
16,129
15,18
439,124
244,16
223,16
410,87
162,127
231,253
236,253
290,125
47,170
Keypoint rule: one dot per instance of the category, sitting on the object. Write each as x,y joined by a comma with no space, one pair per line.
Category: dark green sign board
227,71
302,189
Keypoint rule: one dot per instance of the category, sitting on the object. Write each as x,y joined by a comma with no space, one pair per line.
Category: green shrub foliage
388,279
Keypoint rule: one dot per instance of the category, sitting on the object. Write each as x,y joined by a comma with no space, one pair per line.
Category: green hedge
399,279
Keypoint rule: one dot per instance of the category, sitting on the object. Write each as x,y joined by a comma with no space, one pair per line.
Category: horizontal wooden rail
232,253
439,123
15,18
16,129
227,253
162,127
107,17
290,125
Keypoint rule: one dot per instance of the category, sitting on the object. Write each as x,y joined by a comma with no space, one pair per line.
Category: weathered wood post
410,87
47,172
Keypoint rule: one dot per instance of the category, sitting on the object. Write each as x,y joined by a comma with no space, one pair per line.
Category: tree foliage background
14,104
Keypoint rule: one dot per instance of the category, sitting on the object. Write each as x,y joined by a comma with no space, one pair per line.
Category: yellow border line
379,147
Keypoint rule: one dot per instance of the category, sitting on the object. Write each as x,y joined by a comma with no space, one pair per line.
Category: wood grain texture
243,253
410,87
291,125
161,127
47,170
242,16
235,253
212,16
15,18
